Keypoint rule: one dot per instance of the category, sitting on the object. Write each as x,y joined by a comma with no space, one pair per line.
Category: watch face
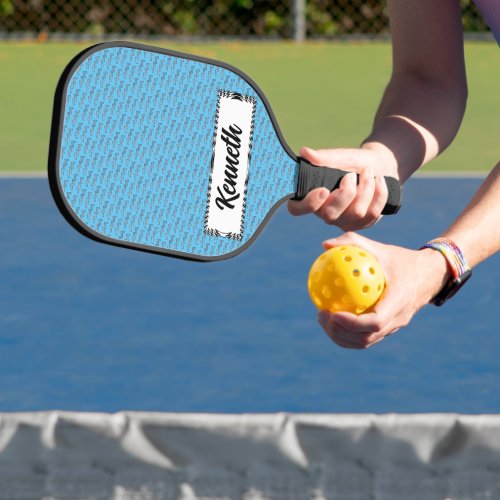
451,288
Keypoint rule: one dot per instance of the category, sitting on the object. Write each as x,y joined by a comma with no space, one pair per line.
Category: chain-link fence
206,18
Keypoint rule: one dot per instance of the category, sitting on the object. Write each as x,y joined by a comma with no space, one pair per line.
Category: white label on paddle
231,155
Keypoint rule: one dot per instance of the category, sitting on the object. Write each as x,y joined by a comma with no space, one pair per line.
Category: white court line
23,175
454,174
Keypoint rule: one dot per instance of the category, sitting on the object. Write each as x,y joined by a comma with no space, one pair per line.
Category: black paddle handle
312,177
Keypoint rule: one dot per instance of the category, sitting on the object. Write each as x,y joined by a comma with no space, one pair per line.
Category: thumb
349,238
311,155
339,157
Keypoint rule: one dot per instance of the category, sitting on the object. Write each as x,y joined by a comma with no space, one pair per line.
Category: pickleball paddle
172,153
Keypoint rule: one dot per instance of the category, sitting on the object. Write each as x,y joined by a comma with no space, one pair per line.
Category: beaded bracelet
460,269
452,254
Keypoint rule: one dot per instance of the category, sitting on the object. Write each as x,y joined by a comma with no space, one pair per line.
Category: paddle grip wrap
312,177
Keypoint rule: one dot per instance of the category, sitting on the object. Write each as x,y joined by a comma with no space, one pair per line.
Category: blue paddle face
163,152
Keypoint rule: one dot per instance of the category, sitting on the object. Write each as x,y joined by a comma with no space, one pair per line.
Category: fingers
364,195
368,323
310,204
406,292
356,204
337,158
355,332
380,196
352,238
316,198
347,206
365,208
336,203
339,337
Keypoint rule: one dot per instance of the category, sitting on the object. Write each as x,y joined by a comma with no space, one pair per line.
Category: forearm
477,230
416,120
424,103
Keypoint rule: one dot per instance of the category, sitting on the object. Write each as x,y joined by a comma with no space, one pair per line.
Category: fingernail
324,194
328,243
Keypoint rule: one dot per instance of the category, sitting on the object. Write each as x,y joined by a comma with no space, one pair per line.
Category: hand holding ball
346,278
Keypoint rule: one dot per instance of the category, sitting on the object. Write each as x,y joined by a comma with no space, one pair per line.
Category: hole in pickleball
356,273
346,299
317,300
379,287
336,306
317,276
339,281
348,258
359,310
362,254
366,289
326,292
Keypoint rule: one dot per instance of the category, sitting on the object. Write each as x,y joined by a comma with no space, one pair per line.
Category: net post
299,20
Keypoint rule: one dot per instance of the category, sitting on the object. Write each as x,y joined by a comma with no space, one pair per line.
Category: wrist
386,157
437,272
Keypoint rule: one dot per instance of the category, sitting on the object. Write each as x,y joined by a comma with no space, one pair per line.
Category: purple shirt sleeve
490,9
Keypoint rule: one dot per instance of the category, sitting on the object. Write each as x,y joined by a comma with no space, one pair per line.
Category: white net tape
160,456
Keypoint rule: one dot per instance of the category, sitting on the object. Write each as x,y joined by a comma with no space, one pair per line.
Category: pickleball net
159,456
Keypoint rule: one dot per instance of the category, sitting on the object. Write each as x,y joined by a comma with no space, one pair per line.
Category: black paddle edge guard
312,177
56,138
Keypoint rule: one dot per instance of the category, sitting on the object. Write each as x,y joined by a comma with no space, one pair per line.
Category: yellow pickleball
346,278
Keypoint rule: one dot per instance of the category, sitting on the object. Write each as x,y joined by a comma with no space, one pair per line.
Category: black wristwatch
460,270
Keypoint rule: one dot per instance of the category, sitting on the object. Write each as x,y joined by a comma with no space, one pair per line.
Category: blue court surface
90,327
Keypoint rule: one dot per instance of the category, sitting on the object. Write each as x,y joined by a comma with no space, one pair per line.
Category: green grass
323,94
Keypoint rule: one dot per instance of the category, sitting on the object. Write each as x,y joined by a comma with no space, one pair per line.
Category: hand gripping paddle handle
312,177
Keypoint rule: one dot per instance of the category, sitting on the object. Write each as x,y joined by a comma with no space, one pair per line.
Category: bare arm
424,102
477,230
415,277
418,117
